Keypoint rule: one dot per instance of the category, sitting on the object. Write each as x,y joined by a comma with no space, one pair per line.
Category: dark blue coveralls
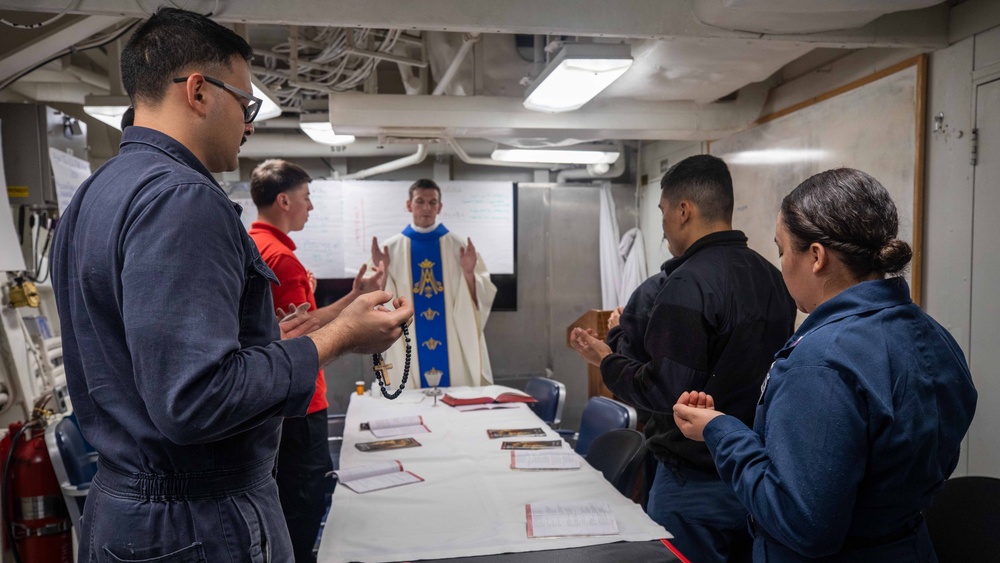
169,346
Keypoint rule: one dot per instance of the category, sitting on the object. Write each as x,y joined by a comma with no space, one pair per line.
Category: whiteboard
872,127
482,211
346,215
69,173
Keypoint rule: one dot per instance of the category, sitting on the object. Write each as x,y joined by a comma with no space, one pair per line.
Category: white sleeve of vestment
469,319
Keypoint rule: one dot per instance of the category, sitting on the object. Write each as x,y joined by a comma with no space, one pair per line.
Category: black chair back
964,521
618,455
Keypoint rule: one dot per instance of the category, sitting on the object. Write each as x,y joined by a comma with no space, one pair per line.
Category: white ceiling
702,67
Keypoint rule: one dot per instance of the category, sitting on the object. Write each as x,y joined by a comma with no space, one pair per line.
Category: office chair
550,396
75,463
619,455
335,437
964,520
600,415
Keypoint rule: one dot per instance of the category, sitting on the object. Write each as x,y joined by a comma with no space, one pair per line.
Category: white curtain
611,259
633,253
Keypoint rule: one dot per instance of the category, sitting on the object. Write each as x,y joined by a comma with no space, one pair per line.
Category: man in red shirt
280,190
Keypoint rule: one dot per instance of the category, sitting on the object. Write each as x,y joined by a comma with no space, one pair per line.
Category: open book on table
401,426
486,395
376,476
553,520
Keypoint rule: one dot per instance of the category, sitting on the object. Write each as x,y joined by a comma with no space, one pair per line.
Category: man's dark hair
703,180
424,184
850,213
273,177
168,43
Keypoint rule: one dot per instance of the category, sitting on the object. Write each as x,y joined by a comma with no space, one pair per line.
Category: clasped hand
692,412
589,346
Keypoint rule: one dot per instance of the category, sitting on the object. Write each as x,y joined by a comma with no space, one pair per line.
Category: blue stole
428,303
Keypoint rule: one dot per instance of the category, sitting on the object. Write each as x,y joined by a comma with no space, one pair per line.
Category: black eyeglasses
249,111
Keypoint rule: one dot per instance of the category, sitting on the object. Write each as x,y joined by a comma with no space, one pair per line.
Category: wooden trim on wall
919,176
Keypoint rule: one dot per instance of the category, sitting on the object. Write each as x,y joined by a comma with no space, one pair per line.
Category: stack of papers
553,520
539,461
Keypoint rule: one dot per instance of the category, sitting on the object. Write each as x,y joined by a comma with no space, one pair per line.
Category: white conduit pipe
449,75
415,158
616,170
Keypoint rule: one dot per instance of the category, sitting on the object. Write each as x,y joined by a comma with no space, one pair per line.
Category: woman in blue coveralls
862,413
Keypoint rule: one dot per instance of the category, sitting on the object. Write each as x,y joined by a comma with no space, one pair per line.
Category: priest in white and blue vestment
452,295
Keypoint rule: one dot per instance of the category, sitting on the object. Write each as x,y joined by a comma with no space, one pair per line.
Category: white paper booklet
402,426
538,461
552,520
376,476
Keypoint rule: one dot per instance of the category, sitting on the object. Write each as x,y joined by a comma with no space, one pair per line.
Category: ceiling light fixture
109,109
106,109
578,73
322,132
270,108
775,156
584,154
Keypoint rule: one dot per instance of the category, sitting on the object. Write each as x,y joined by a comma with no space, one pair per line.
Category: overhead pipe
392,165
421,154
591,172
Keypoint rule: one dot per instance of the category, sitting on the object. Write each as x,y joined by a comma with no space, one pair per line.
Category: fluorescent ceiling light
322,132
558,156
107,109
577,74
270,108
775,156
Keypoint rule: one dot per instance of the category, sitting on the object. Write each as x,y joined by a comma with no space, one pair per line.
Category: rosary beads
382,369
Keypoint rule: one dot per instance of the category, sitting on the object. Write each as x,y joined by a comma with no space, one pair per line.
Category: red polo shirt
277,250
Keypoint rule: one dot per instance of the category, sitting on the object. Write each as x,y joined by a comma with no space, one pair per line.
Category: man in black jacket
711,320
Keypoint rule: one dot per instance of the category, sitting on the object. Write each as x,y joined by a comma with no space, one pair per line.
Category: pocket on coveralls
193,553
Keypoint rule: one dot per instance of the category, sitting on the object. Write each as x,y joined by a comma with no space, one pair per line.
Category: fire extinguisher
37,522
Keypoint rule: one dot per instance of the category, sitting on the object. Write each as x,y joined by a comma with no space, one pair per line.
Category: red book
486,395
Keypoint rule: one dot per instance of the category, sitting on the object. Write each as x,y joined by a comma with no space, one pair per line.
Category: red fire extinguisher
35,515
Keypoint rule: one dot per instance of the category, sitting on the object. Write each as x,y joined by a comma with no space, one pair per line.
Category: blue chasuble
428,304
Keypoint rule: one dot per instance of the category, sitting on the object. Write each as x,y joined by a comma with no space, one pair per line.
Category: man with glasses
250,108
171,347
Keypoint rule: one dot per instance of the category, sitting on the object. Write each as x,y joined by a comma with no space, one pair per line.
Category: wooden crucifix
383,368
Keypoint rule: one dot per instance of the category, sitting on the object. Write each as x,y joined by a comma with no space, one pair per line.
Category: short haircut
703,180
424,184
850,213
170,42
273,177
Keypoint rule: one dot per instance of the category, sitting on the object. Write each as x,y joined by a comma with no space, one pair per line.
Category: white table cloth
471,502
